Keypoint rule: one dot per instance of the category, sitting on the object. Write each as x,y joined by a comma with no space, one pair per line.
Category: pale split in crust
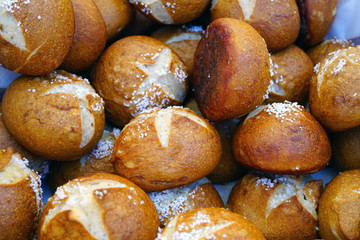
10,29
154,8
99,206
171,11
148,74
35,35
281,206
16,171
79,199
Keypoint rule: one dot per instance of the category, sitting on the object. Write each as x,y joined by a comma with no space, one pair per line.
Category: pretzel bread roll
282,207
89,37
334,94
172,202
281,138
183,41
292,70
316,20
165,148
346,149
20,201
35,35
97,160
210,223
339,206
58,116
138,73
117,15
326,47
278,22
99,206
227,89
171,11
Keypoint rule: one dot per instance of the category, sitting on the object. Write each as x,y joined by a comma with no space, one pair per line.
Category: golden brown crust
227,89
89,37
282,138
334,90
126,212
205,196
7,140
216,223
161,149
316,20
97,160
339,207
319,52
292,71
19,202
138,73
18,211
50,125
278,22
346,149
117,15
48,29
228,169
277,212
171,11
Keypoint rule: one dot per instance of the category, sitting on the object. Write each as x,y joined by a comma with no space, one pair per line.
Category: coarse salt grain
284,110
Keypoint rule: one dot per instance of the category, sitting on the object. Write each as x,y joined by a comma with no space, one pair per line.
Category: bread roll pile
141,106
